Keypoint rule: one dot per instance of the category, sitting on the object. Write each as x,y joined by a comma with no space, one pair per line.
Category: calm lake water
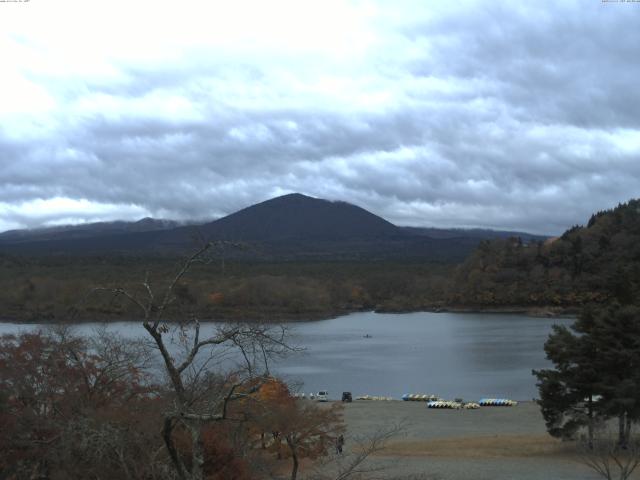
446,354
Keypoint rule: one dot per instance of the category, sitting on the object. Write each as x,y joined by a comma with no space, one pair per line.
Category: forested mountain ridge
586,264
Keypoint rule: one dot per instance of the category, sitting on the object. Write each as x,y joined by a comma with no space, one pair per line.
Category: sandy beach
491,443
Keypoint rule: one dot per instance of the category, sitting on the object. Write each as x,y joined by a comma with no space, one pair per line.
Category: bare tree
354,465
609,459
202,390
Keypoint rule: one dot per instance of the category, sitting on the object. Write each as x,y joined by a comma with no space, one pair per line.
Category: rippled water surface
447,354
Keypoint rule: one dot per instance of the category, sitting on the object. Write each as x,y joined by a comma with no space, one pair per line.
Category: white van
322,396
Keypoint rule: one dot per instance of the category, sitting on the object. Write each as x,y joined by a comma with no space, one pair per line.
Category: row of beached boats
497,402
419,397
433,401
453,405
374,398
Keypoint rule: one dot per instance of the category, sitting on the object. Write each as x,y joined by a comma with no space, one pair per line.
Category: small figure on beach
339,444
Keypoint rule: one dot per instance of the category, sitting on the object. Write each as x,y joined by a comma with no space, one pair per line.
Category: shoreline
533,312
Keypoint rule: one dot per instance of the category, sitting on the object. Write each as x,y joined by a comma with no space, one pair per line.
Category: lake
446,354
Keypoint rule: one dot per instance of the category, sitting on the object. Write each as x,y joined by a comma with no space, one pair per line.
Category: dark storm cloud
571,62
487,115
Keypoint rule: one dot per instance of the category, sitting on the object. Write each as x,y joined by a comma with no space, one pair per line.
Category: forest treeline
57,288
594,263
587,264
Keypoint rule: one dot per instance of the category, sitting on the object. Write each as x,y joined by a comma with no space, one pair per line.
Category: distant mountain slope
478,233
301,217
295,227
289,227
589,263
87,230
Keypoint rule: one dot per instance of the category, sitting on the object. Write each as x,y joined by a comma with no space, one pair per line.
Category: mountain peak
295,195
293,198
298,216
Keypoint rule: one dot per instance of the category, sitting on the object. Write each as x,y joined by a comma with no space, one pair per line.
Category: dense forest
594,263
59,288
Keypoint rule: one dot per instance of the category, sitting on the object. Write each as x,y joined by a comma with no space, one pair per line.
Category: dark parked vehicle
346,397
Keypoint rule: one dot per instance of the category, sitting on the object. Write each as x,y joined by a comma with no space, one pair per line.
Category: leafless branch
202,395
608,459
353,465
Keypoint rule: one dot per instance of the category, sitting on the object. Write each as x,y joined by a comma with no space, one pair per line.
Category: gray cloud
484,115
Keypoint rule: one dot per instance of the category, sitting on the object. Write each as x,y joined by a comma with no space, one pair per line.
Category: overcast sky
500,114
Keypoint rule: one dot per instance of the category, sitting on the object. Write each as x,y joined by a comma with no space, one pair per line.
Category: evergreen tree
568,393
596,374
617,335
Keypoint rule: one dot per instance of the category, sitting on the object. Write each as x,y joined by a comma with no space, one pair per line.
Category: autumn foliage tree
74,408
299,428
